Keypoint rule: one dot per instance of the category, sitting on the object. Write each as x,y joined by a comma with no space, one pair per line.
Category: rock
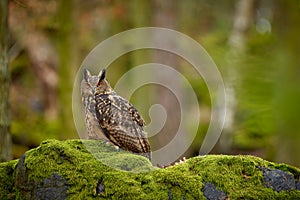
54,187
298,185
75,169
277,179
100,188
212,193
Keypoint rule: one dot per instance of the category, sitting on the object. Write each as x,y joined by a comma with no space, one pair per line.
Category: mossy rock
67,170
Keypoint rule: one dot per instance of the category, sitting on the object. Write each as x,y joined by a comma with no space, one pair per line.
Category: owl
109,116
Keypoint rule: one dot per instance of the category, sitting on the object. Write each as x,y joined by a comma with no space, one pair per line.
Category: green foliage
32,129
266,74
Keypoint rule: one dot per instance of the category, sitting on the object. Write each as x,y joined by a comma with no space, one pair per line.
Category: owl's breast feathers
121,123
92,124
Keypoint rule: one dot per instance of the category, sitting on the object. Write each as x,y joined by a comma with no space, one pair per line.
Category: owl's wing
127,106
121,123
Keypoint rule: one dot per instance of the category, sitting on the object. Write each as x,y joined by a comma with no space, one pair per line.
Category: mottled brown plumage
111,117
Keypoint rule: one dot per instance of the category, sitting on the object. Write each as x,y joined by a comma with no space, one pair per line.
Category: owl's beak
86,74
102,74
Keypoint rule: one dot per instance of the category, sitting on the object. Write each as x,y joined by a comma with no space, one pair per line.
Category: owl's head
97,84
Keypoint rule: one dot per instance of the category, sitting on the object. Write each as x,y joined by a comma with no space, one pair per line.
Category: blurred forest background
255,44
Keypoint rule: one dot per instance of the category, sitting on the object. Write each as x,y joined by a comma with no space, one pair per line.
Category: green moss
117,159
237,176
6,184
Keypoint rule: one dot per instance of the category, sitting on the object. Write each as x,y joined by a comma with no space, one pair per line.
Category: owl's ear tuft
102,74
86,74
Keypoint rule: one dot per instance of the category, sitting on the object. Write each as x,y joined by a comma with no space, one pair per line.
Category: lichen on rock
76,169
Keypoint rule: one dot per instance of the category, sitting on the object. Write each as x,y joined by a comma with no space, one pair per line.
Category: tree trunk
68,61
5,139
243,19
